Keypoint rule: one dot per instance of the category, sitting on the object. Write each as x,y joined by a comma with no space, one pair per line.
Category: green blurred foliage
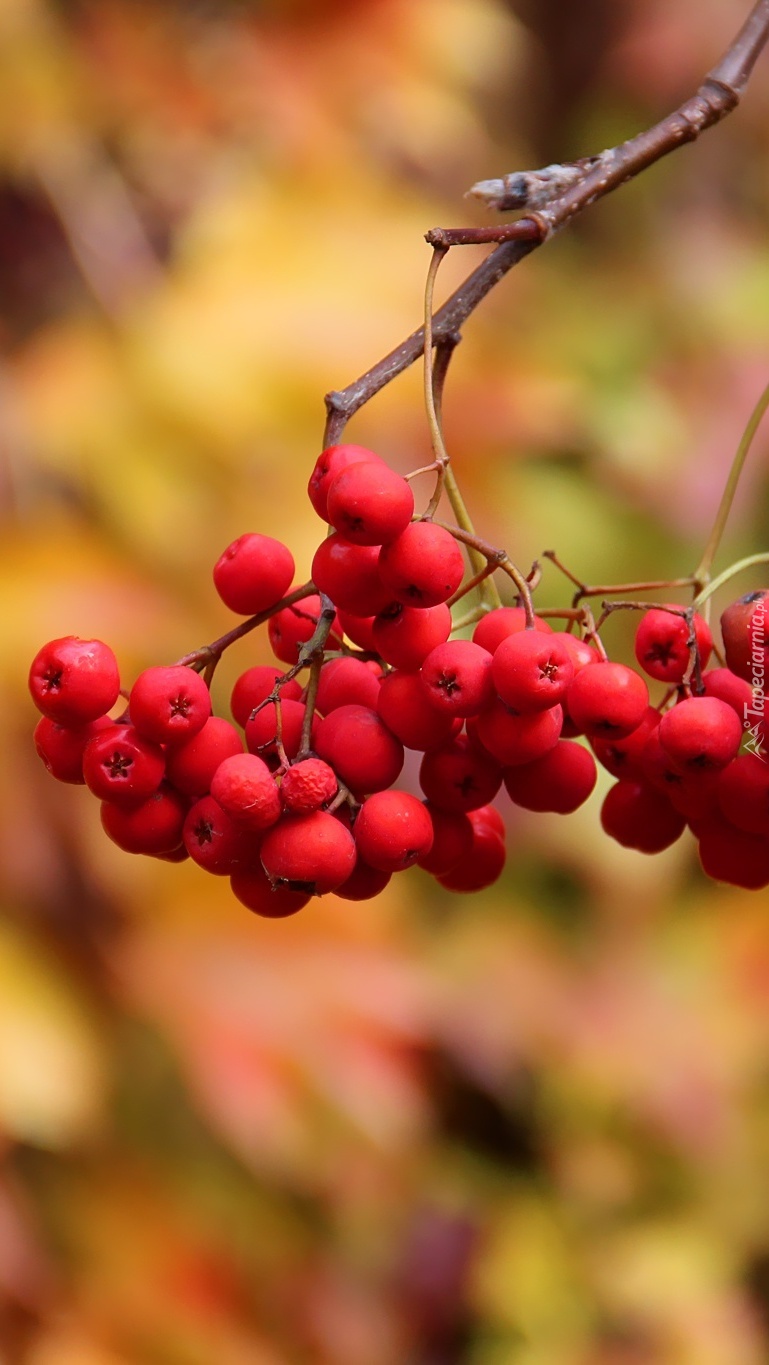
530,1126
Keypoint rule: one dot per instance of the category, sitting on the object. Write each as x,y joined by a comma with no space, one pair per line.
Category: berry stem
716,583
498,559
207,655
702,572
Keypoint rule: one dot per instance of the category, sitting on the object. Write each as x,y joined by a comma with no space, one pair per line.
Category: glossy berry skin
253,573
120,765
252,887
61,747
245,788
495,627
313,853
393,830
512,738
459,777
745,633
191,766
363,883
169,704
262,730
345,682
637,816
700,733
423,566
661,644
485,862
607,700
307,786
732,855
406,711
456,678
359,629
532,670
622,757
722,683
404,636
215,841
452,840
560,781
154,826
74,681
328,465
743,793
349,575
357,744
369,504
293,626
254,686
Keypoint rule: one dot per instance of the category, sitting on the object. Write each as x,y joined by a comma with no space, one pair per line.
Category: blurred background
529,1126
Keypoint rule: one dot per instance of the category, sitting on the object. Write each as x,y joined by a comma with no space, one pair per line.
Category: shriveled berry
308,786
74,681
245,788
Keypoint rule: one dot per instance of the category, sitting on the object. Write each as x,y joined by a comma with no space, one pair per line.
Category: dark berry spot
119,765
447,683
52,678
204,832
180,706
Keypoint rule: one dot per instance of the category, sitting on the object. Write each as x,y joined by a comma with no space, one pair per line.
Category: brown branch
717,96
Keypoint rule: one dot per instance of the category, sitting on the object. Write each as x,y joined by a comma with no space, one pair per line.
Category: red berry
485,862
313,853
722,683
293,626
459,777
404,636
622,757
359,629
254,686
423,566
743,793
369,504
495,627
120,765
215,841
307,786
262,730
607,699
700,733
745,631
169,704
328,465
349,575
732,855
363,883
452,840
661,644
74,681
253,888
253,573
61,747
191,766
640,817
406,711
357,744
345,682
456,678
155,826
245,788
532,670
560,781
512,738
393,830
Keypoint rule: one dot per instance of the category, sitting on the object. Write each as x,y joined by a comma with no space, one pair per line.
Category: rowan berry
253,573
349,575
513,738
745,633
308,786
486,860
359,629
423,566
743,793
456,678
245,788
190,767
662,644
722,683
639,816
346,682
607,700
74,681
459,777
393,830
254,686
215,841
495,627
252,887
622,757
154,826
452,840
532,670
560,781
262,730
733,855
313,853
404,636
120,765
293,626
369,504
328,465
61,747
363,883
357,744
169,704
700,733
406,711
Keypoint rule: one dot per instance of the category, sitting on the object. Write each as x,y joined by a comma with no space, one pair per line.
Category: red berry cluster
298,798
